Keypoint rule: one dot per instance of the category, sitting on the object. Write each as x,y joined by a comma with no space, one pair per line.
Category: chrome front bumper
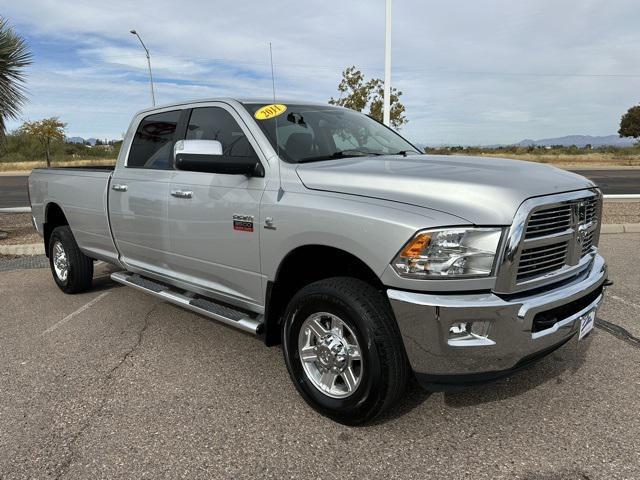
425,321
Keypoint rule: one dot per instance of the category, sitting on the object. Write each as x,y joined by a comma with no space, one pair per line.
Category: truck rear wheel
343,349
72,270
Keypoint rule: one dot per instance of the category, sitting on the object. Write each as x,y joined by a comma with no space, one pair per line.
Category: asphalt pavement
116,384
13,189
614,182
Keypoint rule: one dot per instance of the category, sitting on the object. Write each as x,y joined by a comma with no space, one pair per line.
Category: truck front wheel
72,270
343,349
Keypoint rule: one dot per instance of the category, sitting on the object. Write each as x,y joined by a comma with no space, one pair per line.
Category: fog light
470,334
458,329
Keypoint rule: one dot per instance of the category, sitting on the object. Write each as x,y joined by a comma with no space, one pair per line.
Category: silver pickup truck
320,229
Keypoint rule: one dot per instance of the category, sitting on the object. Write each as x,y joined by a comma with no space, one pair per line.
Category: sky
472,72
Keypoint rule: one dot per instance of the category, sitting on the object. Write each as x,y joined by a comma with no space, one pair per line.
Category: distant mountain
580,141
75,140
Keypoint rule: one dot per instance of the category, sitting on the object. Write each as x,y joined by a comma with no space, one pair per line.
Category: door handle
119,188
181,194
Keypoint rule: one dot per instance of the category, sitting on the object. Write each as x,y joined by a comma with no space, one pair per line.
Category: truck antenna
273,87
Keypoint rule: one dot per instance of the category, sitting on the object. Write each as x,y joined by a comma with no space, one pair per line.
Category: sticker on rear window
270,111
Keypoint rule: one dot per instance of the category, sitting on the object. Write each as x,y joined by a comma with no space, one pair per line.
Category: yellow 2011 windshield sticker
270,111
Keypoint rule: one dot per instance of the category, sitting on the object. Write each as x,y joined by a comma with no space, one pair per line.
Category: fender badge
243,223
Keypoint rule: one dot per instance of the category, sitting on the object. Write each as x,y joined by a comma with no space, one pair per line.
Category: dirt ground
19,229
621,212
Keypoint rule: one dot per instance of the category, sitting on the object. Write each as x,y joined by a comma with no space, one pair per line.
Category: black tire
80,267
368,314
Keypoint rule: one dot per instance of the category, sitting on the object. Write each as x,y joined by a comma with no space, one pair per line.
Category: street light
386,113
146,50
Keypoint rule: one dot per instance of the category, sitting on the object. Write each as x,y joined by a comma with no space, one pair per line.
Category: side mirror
207,156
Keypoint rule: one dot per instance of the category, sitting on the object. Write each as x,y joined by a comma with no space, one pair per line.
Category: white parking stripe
77,312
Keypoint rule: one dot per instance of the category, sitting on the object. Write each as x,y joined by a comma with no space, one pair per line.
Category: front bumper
425,321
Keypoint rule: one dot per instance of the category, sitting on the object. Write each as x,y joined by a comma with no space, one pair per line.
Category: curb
16,210
620,228
27,250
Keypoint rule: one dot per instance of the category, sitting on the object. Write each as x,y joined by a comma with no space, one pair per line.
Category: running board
204,306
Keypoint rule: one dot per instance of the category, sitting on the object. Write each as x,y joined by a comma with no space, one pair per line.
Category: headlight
451,252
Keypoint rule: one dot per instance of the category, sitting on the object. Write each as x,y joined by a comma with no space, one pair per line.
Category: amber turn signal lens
416,246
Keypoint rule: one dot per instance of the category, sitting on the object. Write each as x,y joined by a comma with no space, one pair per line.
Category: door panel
139,191
139,217
208,248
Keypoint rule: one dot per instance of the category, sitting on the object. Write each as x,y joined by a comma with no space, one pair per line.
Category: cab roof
263,101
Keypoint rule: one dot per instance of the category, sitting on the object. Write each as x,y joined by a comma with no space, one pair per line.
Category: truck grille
540,260
588,242
543,254
549,220
550,240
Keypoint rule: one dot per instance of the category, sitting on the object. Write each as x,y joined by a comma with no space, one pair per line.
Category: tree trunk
47,154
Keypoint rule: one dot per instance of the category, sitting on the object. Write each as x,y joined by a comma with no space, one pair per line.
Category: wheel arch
319,262
54,217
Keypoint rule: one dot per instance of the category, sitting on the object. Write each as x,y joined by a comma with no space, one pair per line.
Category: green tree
14,57
358,94
46,131
630,123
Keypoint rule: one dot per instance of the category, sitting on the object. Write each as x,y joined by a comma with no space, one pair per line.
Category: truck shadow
561,363
414,396
565,361
102,277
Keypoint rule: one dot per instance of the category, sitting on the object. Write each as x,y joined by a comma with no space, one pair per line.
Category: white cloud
471,72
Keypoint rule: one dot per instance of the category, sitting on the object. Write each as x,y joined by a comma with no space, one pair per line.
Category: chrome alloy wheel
60,262
330,355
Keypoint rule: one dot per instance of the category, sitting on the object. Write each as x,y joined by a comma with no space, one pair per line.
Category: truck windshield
309,133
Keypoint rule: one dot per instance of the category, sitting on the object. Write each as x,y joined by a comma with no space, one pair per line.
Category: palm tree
14,57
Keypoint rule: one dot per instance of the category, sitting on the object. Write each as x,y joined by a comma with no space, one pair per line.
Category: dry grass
595,159
28,166
566,160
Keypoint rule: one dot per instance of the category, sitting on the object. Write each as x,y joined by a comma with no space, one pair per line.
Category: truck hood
479,190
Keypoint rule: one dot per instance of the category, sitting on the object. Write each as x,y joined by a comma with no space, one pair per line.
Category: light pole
386,112
146,50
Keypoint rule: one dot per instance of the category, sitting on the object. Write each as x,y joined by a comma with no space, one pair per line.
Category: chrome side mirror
207,156
197,147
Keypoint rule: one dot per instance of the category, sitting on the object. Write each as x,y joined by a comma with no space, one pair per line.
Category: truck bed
108,168
82,194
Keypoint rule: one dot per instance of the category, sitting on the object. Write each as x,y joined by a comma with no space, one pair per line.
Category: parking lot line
77,312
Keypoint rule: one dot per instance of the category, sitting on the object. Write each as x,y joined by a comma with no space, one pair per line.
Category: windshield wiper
339,154
404,153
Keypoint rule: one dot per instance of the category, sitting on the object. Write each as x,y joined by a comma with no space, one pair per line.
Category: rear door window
152,145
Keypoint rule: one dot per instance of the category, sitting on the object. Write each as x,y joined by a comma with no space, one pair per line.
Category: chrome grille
552,238
588,242
540,260
548,221
588,210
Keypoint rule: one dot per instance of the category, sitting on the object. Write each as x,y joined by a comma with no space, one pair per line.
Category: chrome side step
204,306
